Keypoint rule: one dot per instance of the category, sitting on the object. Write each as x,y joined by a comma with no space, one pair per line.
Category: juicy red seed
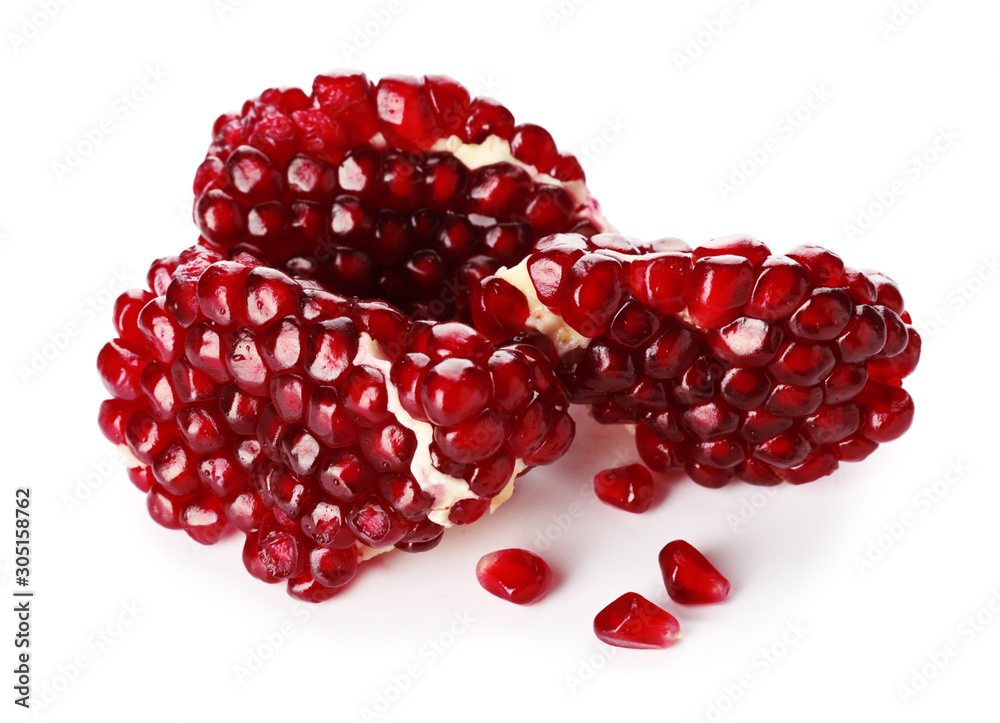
689,577
744,388
499,190
330,349
710,420
605,368
405,496
161,330
405,115
221,475
281,554
120,369
141,477
473,439
819,464
244,362
486,118
203,431
300,451
823,316
203,518
785,450
346,475
896,335
365,396
747,342
175,470
658,281
515,575
241,410
324,525
512,382
788,400
671,353
145,435
348,97
590,294
499,310
745,246
126,315
453,391
888,412
452,339
632,621
252,174
308,589
887,292
164,507
833,423
333,568
530,427
450,102
533,145
220,219
864,336
205,350
270,295
327,418
781,285
844,383
221,292
465,512
803,363
373,524
894,369
629,488
358,173
825,267
854,449
720,453
718,288
659,454
759,426
490,478
389,448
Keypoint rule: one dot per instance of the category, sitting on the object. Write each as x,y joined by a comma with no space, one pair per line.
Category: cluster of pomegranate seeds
629,488
408,190
515,575
632,621
731,361
325,428
689,577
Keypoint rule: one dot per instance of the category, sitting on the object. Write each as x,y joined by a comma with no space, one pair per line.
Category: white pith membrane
444,489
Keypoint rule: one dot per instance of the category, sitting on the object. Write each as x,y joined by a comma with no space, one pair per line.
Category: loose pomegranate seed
518,576
690,578
632,621
629,488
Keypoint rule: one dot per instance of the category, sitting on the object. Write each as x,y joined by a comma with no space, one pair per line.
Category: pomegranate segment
326,429
632,621
407,189
515,575
732,362
689,577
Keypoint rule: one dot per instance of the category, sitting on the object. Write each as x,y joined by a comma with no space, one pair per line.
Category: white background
133,620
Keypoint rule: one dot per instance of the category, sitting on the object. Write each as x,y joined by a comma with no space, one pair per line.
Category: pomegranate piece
632,621
732,362
326,429
406,189
515,575
690,578
629,488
